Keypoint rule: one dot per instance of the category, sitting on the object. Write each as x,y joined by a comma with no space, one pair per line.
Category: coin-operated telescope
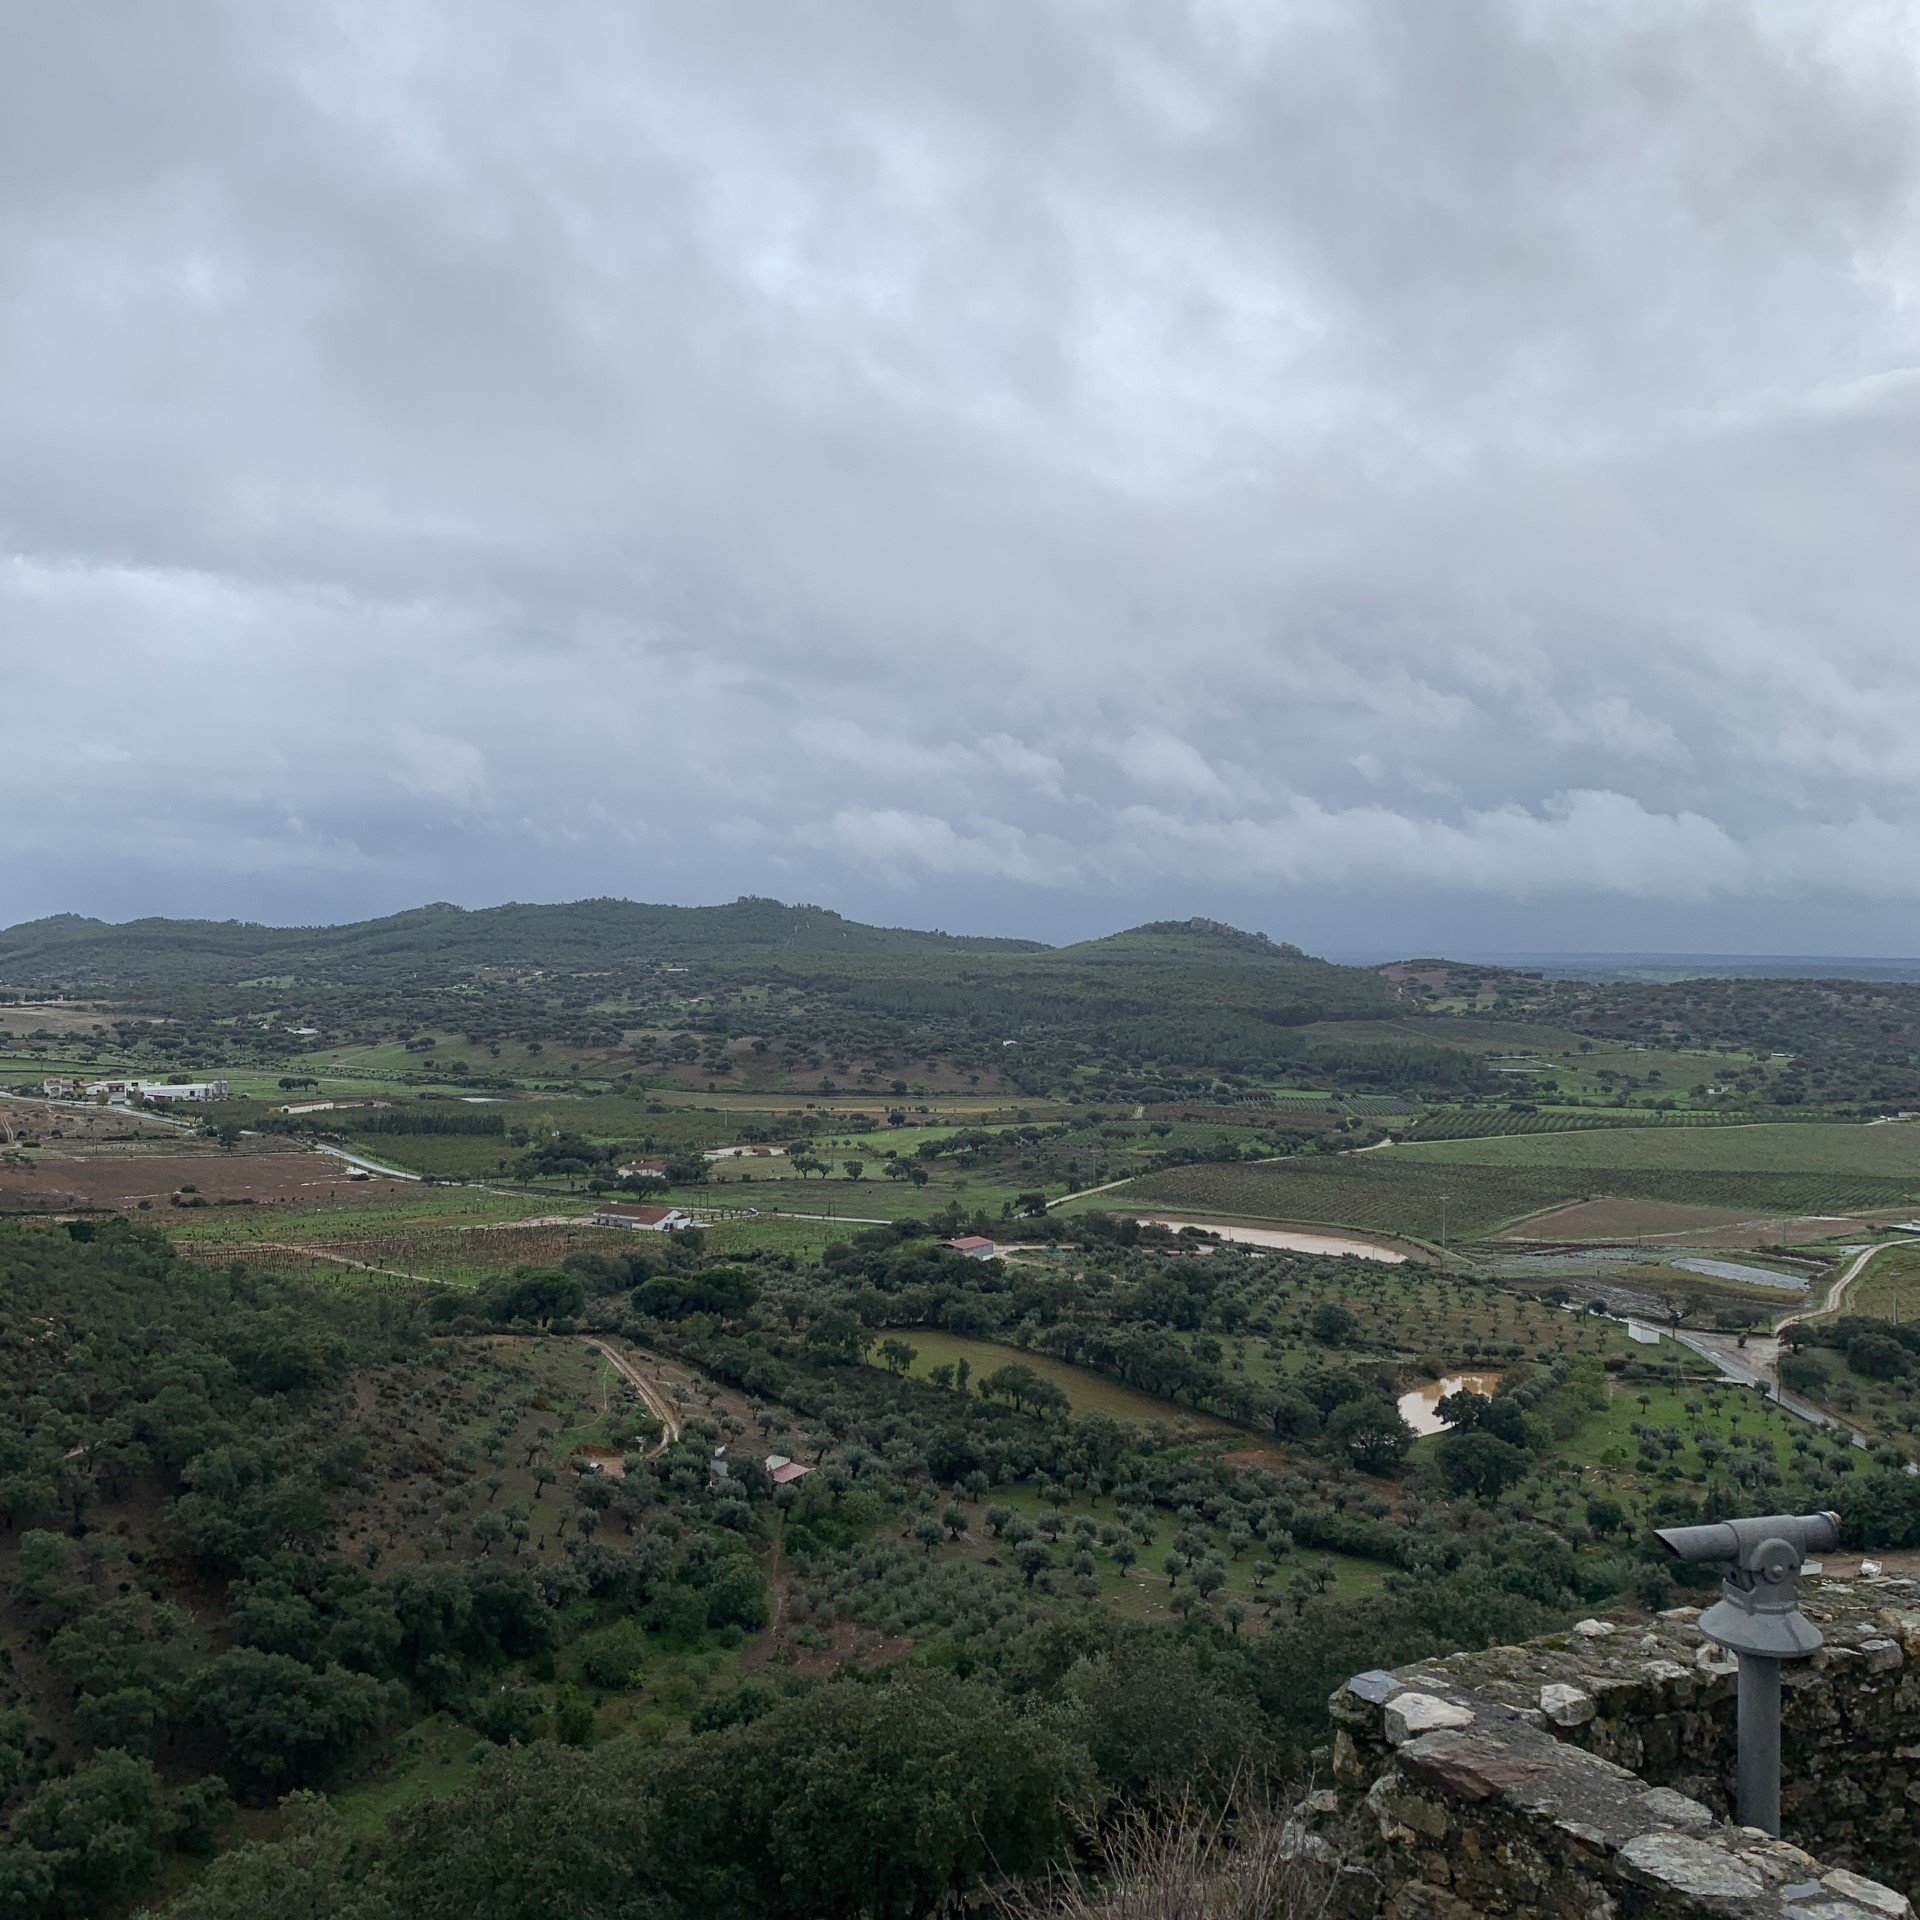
1758,1618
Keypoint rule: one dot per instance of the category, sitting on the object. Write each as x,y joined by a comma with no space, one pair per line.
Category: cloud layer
1023,464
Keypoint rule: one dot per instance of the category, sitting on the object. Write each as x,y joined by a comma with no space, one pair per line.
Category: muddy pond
1420,1408
1288,1239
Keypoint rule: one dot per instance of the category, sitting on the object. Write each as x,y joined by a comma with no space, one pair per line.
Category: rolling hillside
584,934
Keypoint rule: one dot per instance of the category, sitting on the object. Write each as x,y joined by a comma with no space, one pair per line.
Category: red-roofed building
975,1246
784,1472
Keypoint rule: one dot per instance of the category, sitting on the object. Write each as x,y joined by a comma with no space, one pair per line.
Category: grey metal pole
1757,1705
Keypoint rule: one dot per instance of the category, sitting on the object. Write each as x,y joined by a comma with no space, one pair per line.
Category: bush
614,1657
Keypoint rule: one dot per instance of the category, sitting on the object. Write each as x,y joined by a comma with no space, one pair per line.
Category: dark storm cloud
1032,461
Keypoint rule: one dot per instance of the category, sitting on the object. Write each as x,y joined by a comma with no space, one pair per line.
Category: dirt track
1837,1294
657,1402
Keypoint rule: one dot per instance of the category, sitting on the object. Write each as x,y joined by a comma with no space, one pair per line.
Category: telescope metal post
1757,1774
1758,1620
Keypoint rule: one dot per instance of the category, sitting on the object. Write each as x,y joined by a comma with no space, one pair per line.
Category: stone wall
1589,1775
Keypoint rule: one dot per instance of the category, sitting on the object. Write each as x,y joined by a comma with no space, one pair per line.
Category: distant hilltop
581,935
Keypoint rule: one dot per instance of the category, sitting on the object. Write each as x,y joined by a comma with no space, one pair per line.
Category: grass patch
1086,1392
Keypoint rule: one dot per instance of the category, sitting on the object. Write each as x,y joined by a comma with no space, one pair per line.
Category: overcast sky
1410,474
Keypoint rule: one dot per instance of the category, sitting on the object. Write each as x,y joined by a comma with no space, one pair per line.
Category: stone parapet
1589,1774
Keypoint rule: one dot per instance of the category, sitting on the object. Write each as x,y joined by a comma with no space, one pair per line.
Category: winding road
1837,1294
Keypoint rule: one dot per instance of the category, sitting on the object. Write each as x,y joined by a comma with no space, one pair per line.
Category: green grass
1086,1392
1891,1151
1889,1287
1606,1439
430,1760
773,1235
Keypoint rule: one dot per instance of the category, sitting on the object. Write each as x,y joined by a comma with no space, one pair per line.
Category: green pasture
1699,1411
807,1238
1086,1392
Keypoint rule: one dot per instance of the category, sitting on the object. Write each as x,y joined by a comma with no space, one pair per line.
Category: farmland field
180,1172
1411,1192
1607,1220
1879,1151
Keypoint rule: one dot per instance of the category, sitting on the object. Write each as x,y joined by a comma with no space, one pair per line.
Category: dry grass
1244,1861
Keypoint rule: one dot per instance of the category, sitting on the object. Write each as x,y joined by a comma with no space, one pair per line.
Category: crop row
1479,1123
1384,1192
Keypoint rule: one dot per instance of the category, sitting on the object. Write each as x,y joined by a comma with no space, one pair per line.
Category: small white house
638,1219
166,1093
973,1246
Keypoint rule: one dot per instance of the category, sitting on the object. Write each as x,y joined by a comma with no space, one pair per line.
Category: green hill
1172,998
583,935
1187,942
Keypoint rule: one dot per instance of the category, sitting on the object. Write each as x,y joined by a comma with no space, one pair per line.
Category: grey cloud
1024,457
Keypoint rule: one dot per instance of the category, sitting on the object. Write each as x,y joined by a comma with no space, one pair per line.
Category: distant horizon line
1371,954
1833,965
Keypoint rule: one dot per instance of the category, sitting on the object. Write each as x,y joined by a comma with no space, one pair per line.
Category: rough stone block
1566,1706
1698,1868
1411,1714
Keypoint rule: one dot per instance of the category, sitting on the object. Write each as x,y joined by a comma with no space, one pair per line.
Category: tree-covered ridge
581,934
605,932
1172,999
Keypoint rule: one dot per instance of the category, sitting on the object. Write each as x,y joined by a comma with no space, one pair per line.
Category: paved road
360,1160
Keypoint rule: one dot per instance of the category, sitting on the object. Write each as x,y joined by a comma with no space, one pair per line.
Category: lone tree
1371,1434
